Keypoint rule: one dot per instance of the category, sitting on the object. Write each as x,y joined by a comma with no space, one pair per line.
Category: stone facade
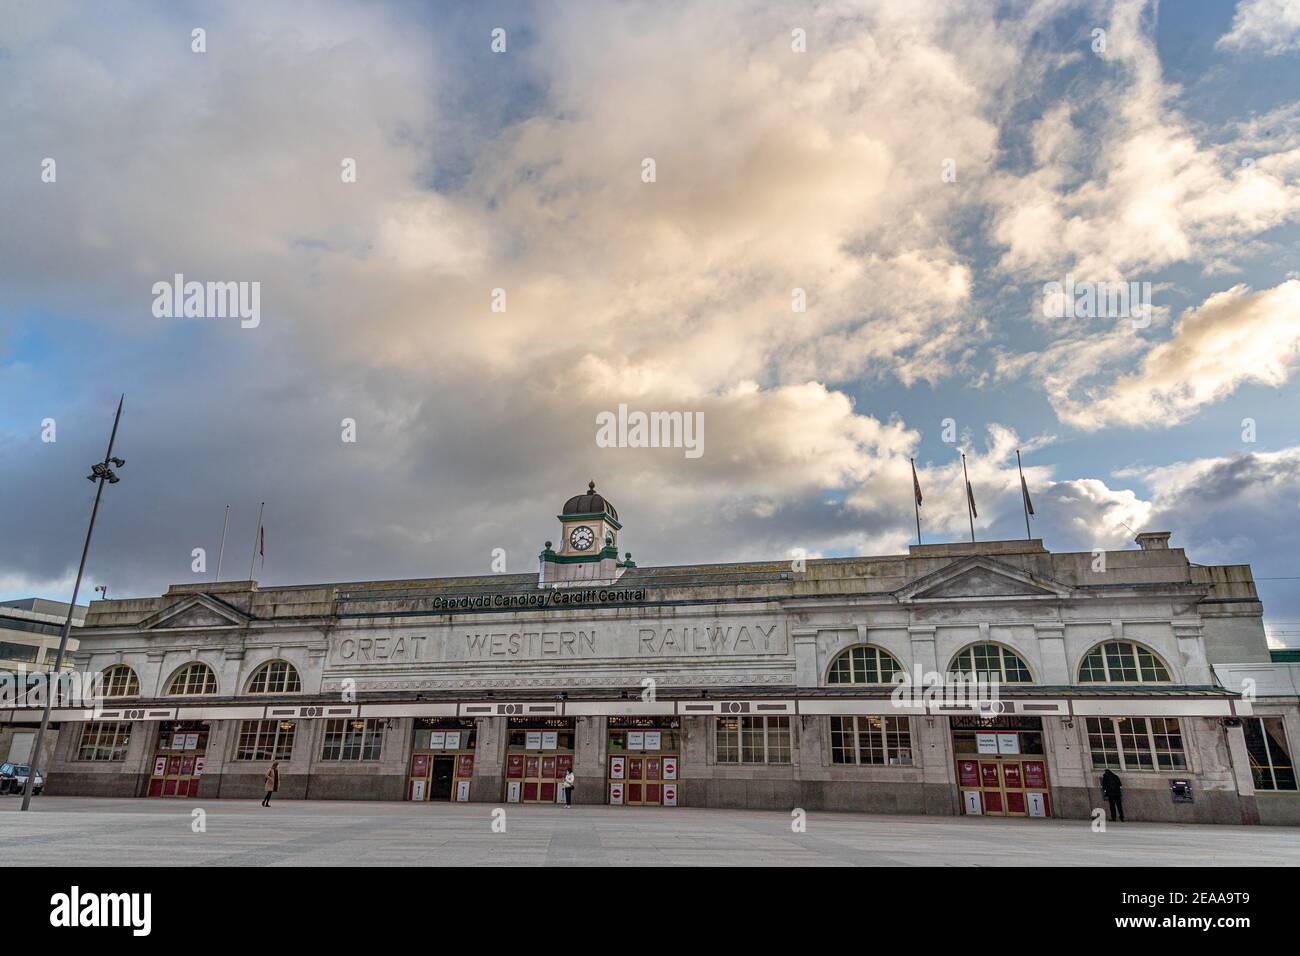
687,649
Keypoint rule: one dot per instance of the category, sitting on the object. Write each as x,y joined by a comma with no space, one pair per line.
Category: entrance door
1005,787
535,778
178,762
440,780
643,781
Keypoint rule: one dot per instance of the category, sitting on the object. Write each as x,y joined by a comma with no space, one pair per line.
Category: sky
502,268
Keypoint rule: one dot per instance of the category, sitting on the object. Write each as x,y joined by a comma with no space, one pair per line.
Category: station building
771,684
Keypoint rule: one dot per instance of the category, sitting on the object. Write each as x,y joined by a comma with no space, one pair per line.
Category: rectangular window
353,739
265,740
19,652
753,739
871,740
104,740
1270,753
1136,743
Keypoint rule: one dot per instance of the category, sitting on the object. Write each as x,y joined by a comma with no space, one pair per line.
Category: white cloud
1235,337
1268,26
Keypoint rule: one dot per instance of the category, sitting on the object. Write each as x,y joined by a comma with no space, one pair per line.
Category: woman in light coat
272,782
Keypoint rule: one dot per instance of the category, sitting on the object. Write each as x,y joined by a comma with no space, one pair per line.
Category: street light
100,473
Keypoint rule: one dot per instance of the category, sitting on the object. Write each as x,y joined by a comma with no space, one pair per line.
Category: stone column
1240,759
590,739
1191,648
1051,654
923,658
487,784
806,670
932,751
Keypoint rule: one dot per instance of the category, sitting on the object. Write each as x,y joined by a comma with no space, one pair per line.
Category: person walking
272,782
1112,791
569,781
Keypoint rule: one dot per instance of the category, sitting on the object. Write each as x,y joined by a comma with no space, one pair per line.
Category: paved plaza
108,832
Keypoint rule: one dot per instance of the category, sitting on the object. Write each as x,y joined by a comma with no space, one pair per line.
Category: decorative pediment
980,578
199,610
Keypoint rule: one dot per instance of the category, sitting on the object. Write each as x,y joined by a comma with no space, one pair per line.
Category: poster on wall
635,740
513,791
159,766
971,798
462,791
670,768
1008,743
968,773
453,740
670,795
533,740
550,740
652,738
465,766
1037,805
986,743
420,765
515,765
1035,773
437,739
616,766
199,763
616,794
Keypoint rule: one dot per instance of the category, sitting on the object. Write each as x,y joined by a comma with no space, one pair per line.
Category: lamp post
99,473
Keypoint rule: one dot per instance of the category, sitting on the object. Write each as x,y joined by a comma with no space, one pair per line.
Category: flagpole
916,505
257,534
969,514
1024,502
222,551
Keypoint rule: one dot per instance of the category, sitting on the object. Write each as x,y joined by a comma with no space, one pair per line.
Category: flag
916,486
261,543
970,496
1024,490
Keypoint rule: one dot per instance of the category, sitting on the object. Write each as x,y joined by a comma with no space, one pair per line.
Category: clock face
580,538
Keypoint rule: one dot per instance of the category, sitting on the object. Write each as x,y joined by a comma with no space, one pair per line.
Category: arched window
990,662
120,681
192,680
275,677
1122,662
863,665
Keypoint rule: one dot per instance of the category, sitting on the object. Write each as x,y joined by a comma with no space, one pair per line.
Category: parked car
13,777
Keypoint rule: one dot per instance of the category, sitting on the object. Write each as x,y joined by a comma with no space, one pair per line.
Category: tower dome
589,503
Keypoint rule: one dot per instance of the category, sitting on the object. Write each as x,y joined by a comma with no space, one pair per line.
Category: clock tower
588,551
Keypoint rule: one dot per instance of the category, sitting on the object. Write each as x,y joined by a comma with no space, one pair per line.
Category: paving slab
79,831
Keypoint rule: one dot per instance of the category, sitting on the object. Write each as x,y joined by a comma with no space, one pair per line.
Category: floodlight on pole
99,473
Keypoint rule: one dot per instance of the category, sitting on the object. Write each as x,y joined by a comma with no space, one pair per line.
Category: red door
635,778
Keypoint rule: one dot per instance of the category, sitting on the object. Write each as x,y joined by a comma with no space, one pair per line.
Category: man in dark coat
1112,790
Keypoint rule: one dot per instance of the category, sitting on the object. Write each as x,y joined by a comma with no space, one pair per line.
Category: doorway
441,777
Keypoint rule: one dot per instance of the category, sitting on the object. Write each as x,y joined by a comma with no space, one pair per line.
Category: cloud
1124,184
1233,338
1271,27
776,171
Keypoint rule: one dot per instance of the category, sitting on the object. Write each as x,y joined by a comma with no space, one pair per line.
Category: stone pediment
198,611
979,578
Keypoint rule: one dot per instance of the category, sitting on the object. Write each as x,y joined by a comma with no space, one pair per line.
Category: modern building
767,684
29,641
